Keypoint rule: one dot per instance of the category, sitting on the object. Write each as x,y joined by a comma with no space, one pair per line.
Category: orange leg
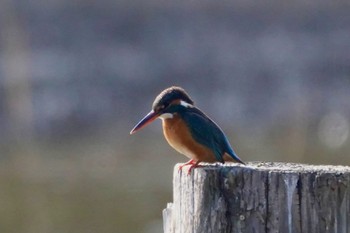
193,164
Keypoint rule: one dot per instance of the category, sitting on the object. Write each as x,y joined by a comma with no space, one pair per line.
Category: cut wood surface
260,197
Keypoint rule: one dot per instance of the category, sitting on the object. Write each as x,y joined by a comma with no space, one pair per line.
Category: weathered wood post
260,198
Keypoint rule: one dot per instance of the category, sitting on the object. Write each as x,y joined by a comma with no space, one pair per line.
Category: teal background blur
77,75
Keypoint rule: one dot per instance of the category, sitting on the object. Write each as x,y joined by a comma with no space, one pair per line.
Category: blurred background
76,76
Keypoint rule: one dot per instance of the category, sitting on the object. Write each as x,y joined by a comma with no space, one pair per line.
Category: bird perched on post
188,130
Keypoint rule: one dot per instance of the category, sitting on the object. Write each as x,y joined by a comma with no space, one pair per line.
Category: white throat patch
166,116
185,104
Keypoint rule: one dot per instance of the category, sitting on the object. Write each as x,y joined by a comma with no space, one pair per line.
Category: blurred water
76,76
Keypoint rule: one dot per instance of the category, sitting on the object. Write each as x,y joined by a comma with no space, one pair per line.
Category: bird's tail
234,156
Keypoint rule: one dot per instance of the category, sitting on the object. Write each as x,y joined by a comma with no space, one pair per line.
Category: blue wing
209,134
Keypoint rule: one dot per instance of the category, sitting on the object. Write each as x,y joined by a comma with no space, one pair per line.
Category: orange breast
179,137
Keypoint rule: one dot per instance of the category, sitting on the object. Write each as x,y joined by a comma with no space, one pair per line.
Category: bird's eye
161,107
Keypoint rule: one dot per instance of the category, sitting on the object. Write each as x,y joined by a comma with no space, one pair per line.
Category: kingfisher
188,130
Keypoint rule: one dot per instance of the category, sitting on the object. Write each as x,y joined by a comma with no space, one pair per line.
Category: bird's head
163,106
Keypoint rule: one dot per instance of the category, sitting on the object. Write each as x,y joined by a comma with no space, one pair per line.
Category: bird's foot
193,164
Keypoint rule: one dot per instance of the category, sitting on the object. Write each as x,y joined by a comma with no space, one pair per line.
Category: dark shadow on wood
260,197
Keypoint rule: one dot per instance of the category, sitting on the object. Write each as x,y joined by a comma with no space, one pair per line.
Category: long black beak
151,116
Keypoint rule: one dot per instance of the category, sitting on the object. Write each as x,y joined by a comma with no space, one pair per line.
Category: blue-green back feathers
206,132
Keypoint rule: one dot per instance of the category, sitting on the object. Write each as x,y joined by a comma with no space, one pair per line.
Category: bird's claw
193,164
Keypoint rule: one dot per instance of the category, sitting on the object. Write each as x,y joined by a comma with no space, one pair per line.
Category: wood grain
259,198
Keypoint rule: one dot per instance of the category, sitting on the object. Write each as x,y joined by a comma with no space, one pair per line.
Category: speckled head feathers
169,95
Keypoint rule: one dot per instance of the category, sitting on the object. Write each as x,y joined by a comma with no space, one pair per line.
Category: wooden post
260,198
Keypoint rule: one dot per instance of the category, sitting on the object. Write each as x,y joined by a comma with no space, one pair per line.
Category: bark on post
260,198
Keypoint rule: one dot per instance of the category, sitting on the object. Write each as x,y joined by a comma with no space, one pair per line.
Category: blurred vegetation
75,76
